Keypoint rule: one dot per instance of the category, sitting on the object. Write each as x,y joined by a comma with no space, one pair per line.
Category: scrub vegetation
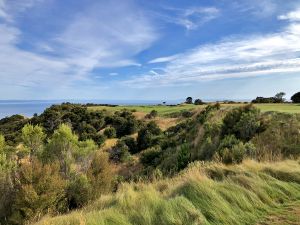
209,164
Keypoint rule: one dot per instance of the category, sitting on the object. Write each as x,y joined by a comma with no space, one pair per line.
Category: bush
150,156
152,114
148,136
124,122
231,150
40,189
131,144
183,157
120,152
110,132
243,122
79,191
100,175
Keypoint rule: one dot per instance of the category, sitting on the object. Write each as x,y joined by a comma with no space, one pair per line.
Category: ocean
29,107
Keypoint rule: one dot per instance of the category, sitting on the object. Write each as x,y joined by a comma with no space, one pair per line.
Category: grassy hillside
165,110
162,109
99,167
202,194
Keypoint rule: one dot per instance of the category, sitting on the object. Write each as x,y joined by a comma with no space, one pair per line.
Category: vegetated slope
164,110
56,167
203,194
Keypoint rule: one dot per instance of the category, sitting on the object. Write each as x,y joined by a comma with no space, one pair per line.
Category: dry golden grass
204,193
109,143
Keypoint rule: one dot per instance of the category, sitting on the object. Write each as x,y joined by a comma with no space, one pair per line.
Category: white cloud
102,35
10,8
291,16
163,59
232,57
190,18
257,8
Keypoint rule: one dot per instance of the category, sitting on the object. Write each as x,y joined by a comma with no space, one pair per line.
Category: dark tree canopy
189,100
198,102
296,98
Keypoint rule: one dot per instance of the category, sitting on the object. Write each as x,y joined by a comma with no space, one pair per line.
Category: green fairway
165,110
161,109
287,108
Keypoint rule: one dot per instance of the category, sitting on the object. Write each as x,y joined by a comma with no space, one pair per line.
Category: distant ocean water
29,107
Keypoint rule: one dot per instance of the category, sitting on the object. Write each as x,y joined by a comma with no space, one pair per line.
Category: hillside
208,193
212,165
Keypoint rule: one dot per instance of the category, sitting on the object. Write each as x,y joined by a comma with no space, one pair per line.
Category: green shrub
78,191
120,152
131,144
148,136
149,157
231,150
40,189
243,122
152,114
110,132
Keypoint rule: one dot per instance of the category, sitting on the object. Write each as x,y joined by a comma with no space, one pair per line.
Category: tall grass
202,194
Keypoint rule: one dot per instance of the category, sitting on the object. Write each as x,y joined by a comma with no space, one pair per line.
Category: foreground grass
202,194
166,110
288,215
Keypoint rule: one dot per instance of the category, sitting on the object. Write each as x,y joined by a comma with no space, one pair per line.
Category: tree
33,138
198,102
189,100
62,146
296,98
279,97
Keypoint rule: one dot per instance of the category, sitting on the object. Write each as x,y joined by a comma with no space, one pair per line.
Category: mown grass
161,109
166,110
202,194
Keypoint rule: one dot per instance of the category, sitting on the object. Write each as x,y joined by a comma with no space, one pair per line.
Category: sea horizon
29,107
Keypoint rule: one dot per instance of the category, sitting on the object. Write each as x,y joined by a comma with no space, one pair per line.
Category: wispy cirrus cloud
99,36
190,18
230,58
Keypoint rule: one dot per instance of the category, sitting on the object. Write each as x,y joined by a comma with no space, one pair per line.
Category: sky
149,50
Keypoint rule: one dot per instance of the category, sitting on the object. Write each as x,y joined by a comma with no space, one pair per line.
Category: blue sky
151,50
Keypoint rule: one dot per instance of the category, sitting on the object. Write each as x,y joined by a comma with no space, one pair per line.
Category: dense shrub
100,175
124,122
148,136
79,191
39,189
131,143
280,139
150,157
110,132
152,114
120,152
231,150
243,122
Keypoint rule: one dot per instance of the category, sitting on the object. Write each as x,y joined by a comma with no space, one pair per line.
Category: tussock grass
205,193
